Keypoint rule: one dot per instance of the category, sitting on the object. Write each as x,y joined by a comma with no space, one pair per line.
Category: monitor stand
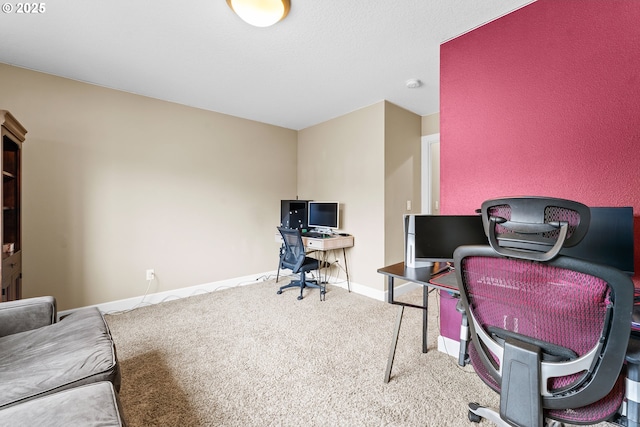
410,260
323,230
418,264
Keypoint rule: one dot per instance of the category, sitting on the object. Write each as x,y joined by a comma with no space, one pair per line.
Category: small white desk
327,243
324,245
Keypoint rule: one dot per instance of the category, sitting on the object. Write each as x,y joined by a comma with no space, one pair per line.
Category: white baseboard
155,298
354,287
402,289
448,346
364,290
375,293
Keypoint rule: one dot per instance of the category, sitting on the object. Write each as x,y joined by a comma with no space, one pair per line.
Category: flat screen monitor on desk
324,216
609,239
433,238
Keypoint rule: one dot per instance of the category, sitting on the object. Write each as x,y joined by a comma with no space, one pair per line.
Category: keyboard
314,234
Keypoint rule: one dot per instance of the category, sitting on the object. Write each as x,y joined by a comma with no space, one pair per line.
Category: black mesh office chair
295,259
549,333
294,215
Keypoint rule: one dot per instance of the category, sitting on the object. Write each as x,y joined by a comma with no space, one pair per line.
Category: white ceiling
327,58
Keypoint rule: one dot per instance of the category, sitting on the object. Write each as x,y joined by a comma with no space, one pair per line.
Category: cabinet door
12,278
10,196
12,135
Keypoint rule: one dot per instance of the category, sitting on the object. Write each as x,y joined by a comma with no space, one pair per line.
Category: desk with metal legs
324,246
421,276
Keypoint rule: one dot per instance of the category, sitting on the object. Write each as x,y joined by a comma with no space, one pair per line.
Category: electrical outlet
151,274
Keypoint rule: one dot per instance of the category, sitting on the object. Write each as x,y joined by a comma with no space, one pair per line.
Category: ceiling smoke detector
413,83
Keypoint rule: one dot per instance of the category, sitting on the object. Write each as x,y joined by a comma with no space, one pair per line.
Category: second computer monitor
433,238
324,216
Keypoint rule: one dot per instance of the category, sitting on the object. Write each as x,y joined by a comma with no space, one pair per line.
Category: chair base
304,284
477,413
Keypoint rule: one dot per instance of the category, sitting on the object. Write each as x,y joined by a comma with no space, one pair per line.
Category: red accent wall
544,101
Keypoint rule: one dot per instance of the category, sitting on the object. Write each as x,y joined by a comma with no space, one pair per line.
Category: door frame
426,162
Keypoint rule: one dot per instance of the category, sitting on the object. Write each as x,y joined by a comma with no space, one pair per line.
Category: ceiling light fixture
260,13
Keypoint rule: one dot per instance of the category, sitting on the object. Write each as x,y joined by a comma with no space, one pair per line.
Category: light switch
408,205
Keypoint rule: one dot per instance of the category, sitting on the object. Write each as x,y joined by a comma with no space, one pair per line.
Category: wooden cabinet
13,135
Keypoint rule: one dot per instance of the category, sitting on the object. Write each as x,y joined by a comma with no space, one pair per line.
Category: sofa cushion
92,405
26,314
75,351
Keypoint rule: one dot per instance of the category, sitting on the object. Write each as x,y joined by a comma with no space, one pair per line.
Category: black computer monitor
609,239
433,238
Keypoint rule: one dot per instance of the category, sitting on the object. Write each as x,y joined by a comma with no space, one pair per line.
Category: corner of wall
402,163
430,124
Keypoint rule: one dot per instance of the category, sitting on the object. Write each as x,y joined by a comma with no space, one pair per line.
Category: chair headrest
534,228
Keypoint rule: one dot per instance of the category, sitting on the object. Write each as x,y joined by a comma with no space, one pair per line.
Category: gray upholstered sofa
93,404
42,360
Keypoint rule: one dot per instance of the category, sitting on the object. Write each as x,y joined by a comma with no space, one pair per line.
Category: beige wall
116,183
431,124
369,160
402,176
343,159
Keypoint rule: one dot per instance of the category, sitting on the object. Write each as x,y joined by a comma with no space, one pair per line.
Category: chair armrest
26,314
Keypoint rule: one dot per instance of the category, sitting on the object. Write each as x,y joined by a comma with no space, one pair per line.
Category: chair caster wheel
279,292
299,297
474,418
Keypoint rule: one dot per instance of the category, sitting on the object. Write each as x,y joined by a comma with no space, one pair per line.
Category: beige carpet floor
248,357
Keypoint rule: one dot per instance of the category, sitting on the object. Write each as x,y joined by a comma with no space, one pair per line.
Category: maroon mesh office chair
294,258
549,333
